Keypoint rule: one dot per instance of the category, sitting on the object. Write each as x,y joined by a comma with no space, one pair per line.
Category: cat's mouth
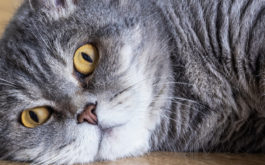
108,129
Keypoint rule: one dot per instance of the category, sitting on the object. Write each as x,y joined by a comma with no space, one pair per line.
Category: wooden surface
163,158
7,8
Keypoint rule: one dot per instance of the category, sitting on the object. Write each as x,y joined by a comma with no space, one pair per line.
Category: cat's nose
88,115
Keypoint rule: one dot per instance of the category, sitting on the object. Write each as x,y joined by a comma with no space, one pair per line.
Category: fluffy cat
88,80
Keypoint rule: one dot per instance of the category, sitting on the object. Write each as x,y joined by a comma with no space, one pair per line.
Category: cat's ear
55,8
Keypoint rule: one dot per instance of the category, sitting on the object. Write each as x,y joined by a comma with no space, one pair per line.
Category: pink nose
88,115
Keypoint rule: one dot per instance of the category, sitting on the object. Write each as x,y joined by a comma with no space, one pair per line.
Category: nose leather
88,115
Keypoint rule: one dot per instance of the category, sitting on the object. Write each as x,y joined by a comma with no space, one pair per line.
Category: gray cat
88,80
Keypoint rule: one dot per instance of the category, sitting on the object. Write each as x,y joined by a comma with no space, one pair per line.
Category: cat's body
221,45
172,76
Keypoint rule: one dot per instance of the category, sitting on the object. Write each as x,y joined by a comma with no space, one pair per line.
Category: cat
91,80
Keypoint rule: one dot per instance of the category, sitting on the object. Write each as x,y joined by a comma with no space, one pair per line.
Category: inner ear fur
55,8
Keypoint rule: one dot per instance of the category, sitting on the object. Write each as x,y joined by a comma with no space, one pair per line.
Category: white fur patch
125,57
130,119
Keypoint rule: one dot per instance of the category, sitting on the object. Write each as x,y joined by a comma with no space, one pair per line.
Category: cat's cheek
83,149
125,141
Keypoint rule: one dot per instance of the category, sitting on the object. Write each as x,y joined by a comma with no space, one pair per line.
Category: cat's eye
32,118
85,59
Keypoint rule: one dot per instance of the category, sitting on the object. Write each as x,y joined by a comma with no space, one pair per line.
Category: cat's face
37,70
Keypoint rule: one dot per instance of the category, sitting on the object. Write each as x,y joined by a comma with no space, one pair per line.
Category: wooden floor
7,7
162,158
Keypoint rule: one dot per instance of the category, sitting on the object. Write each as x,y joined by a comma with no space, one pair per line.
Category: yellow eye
34,117
85,59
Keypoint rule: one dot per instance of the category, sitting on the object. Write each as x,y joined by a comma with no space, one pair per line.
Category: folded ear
55,8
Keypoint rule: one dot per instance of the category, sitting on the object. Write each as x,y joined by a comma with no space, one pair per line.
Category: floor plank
168,158
7,8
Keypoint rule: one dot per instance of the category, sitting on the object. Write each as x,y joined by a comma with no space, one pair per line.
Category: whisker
10,85
5,156
1,79
30,4
168,83
47,44
128,87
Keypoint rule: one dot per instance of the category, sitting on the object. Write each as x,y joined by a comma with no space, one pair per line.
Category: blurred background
7,8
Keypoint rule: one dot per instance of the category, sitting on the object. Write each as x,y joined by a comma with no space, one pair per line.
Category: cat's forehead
93,13
74,22
57,9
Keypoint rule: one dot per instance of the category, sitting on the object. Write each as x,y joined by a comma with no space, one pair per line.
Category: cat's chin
122,141
88,138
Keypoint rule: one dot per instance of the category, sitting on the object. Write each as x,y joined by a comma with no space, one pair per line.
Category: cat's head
58,58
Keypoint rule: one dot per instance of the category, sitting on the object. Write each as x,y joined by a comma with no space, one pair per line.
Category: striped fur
173,75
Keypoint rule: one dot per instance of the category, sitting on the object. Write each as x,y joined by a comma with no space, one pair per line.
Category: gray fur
173,75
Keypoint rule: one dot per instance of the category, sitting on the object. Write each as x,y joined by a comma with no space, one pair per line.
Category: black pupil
34,116
87,57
